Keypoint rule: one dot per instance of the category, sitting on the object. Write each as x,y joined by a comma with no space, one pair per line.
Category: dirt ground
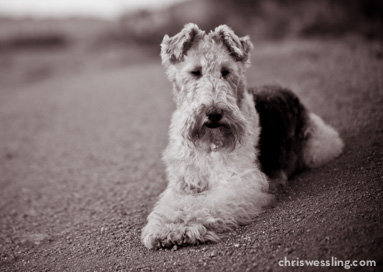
80,166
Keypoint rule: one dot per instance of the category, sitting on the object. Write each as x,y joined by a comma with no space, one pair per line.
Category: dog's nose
215,116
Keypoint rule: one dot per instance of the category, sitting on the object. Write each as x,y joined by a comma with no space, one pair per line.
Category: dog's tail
323,142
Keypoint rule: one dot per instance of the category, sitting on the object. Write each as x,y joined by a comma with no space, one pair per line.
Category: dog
229,146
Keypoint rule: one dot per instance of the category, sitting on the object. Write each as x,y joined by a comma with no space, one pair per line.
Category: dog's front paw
155,237
163,239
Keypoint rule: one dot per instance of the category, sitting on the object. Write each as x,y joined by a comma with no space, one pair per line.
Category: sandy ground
80,168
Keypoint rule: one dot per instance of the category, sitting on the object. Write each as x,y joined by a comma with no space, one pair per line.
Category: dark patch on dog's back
283,120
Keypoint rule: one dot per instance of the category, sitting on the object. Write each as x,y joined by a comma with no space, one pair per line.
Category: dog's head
207,73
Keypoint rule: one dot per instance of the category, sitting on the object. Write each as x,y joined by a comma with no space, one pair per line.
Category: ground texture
80,167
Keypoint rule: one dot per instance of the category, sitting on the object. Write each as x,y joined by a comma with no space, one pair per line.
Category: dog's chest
217,168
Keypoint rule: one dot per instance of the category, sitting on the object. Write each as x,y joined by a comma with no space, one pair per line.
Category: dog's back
291,137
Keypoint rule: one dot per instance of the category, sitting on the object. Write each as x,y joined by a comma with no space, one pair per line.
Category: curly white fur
215,183
231,188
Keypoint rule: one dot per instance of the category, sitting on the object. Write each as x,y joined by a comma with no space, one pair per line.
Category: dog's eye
225,72
196,72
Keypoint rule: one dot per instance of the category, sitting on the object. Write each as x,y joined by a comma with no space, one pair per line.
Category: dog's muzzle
216,128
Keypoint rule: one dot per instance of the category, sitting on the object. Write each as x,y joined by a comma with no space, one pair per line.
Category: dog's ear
239,48
175,48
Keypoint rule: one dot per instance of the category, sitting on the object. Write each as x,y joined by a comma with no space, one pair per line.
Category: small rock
288,250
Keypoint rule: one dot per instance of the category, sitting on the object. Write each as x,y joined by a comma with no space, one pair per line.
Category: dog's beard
223,135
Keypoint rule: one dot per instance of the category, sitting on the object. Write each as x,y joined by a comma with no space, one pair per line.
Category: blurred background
84,113
41,38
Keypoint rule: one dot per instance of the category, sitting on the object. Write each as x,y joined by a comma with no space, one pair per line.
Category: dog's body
292,138
226,142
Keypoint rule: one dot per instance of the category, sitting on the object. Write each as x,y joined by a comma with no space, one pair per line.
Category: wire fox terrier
227,143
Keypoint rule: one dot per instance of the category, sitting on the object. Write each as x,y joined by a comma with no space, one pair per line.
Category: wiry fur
215,178
291,138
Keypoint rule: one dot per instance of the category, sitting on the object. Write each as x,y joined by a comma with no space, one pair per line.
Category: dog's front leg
178,220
